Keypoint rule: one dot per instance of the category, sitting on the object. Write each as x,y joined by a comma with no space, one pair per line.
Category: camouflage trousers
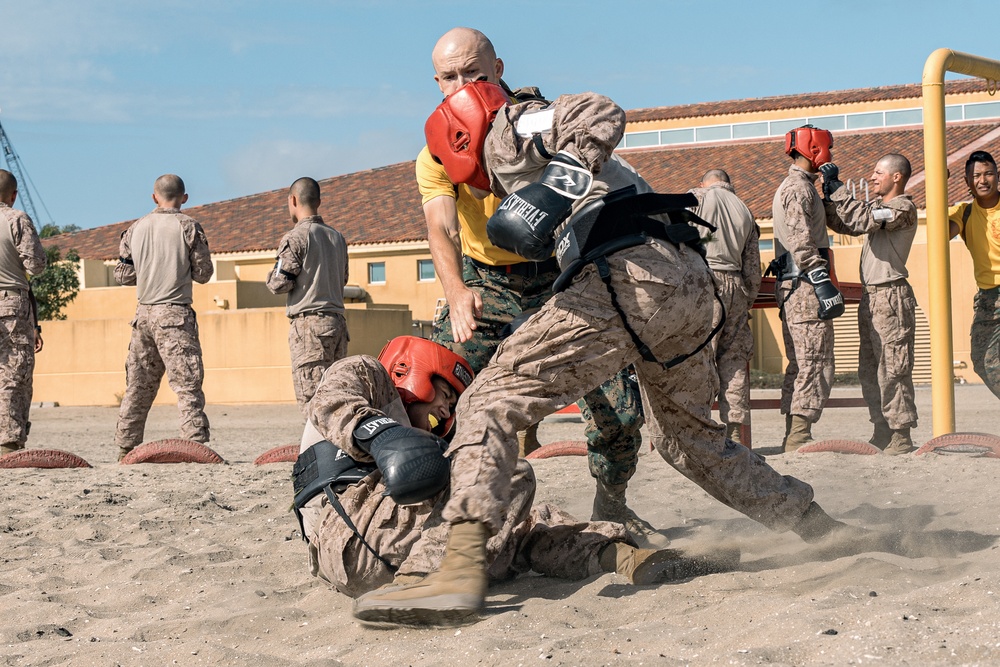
809,348
887,328
164,339
612,411
412,538
315,341
986,338
575,341
733,349
17,365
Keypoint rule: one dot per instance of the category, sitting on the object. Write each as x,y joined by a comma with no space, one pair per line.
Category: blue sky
99,97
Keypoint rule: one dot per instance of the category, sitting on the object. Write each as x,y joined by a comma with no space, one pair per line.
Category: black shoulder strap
965,218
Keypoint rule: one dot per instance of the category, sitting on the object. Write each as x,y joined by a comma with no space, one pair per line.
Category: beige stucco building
393,289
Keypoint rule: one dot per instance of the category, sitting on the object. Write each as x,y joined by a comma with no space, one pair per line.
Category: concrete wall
245,353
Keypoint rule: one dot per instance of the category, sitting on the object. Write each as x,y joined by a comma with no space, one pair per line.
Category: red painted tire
561,448
172,451
985,445
839,447
42,458
279,454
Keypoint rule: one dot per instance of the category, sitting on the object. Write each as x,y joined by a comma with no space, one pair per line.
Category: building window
376,273
425,270
766,244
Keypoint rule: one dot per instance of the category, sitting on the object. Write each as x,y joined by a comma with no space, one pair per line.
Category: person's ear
184,199
499,68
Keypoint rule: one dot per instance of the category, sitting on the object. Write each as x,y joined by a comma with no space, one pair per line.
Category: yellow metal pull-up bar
938,236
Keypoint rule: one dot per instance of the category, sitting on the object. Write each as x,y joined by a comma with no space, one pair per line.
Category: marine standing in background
312,270
488,287
978,222
162,253
733,254
801,251
887,314
21,253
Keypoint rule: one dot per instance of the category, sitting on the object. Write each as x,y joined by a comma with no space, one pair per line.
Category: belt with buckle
872,289
524,269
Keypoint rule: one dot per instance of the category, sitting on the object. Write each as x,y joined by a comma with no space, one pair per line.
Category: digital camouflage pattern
315,342
733,348
986,338
164,339
613,411
577,340
809,349
412,538
17,365
887,326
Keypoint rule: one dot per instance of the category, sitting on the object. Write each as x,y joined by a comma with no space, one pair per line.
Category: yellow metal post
938,258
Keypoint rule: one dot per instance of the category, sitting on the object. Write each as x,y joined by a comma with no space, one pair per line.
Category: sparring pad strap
320,466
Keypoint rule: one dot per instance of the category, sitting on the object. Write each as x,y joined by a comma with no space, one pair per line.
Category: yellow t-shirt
982,238
432,180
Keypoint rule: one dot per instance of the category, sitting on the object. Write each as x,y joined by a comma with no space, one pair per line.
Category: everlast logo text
561,249
528,212
372,426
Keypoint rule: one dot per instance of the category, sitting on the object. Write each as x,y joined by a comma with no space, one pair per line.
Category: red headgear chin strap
456,131
811,143
412,362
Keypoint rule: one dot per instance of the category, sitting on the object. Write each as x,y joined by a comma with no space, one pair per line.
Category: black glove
526,220
414,467
830,173
831,301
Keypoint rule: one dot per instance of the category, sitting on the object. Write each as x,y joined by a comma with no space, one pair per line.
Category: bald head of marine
8,187
169,192
462,55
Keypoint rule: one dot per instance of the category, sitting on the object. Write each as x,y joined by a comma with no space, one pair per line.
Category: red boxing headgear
811,143
412,362
456,131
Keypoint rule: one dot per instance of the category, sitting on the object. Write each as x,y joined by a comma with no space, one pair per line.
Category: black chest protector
622,220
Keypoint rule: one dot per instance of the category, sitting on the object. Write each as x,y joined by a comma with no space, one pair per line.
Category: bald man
312,270
21,254
887,314
487,287
162,253
733,254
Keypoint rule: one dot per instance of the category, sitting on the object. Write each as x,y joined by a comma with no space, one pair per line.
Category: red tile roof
758,167
784,102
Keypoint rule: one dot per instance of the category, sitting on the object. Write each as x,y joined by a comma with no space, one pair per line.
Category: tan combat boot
882,435
527,440
649,566
799,433
899,443
445,597
610,505
123,452
733,431
10,448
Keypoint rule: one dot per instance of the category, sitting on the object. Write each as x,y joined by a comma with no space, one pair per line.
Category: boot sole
672,565
445,610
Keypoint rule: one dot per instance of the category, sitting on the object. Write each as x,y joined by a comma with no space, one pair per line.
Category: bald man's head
306,190
169,187
897,164
8,186
714,176
463,55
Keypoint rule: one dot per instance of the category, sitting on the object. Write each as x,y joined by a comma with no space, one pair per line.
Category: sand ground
202,564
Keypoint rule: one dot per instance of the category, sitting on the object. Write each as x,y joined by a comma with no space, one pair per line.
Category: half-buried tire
561,448
279,454
984,445
839,447
172,451
42,458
